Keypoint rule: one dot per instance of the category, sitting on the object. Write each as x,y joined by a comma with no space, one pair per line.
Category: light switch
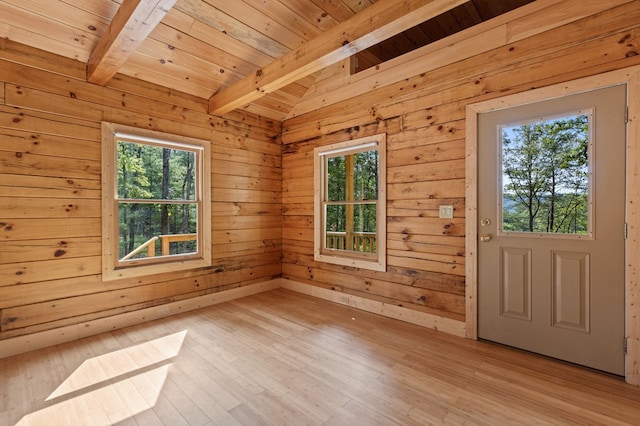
446,212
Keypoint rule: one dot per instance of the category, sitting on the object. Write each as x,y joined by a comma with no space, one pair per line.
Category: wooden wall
262,182
50,212
424,117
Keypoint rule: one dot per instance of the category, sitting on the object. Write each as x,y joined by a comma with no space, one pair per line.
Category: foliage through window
155,190
350,209
545,176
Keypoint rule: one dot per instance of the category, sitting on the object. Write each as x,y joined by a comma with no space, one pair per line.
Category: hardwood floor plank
283,358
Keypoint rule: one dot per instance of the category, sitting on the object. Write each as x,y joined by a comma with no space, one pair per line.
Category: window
350,203
156,202
546,170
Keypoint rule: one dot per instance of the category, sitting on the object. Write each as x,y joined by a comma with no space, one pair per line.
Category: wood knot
9,320
624,39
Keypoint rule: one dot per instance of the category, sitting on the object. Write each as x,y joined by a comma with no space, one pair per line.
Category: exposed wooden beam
376,23
132,23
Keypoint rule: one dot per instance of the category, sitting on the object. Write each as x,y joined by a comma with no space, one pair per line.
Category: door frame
630,77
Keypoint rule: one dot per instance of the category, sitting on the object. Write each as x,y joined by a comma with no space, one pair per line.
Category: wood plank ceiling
257,55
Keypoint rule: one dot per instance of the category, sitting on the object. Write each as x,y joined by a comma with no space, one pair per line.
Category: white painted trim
22,344
423,319
629,76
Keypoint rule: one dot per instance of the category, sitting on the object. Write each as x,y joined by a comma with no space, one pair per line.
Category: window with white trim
156,202
350,203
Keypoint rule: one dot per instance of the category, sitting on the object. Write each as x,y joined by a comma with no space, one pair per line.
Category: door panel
516,283
570,291
559,294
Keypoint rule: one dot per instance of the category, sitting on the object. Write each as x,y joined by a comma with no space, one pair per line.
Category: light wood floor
280,358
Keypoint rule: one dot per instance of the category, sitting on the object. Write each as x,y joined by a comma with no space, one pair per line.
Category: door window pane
545,175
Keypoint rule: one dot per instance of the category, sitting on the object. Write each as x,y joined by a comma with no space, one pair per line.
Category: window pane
353,177
545,176
336,217
139,223
153,172
364,218
351,227
365,179
336,179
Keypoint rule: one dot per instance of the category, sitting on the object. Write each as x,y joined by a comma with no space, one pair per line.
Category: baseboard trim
22,344
447,325
43,339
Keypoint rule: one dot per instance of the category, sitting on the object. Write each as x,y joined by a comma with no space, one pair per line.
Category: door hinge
626,115
624,345
625,231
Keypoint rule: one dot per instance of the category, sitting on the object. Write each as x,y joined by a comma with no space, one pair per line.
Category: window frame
375,262
112,268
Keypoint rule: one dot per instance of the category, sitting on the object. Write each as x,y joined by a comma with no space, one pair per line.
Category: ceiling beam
376,23
132,23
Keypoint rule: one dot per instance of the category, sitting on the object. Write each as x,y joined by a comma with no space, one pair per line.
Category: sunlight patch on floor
112,387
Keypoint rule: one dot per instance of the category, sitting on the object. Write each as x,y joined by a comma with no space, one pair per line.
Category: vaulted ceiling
256,55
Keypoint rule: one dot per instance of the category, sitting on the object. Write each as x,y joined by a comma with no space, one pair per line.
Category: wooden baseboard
457,328
22,344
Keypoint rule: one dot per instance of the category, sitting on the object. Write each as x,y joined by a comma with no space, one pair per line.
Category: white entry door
551,188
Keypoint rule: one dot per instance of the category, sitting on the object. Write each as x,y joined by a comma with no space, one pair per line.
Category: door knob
484,238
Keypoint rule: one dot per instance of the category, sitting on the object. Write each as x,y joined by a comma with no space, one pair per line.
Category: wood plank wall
50,214
50,176
424,117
